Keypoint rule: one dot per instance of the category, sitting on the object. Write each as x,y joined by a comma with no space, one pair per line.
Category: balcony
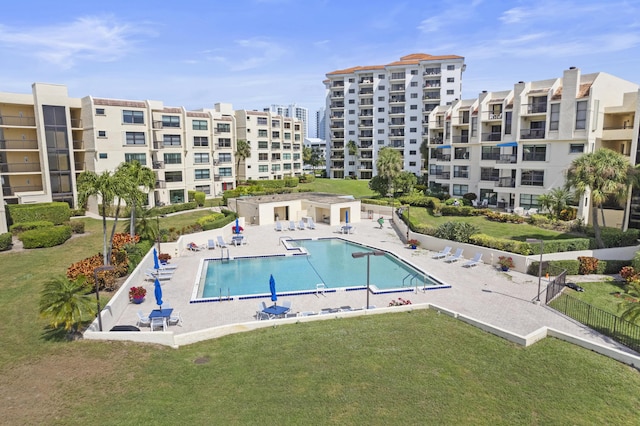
432,71
76,123
365,92
217,178
396,132
463,174
442,157
337,84
20,167
617,133
9,120
460,139
507,159
78,145
490,156
365,81
436,141
491,137
534,156
160,184
431,97
157,165
492,116
79,166
506,182
396,144
536,108
336,105
336,115
441,175
397,99
366,123
337,95
8,191
18,144
158,145
532,134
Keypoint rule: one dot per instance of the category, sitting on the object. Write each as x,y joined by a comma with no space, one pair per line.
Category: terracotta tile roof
117,102
223,118
172,110
261,113
557,95
583,92
412,59
197,114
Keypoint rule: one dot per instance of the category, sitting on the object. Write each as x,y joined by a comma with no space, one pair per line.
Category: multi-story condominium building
512,146
292,111
317,125
48,138
276,145
370,107
319,145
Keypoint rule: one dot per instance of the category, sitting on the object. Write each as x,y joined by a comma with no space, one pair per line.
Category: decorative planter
413,246
504,268
137,300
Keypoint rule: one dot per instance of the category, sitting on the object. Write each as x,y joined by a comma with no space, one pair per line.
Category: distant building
292,111
317,125
319,145
378,106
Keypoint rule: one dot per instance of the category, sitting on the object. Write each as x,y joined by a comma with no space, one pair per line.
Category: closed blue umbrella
156,264
346,216
272,287
158,293
237,226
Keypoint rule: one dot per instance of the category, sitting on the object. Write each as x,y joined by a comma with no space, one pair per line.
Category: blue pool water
329,262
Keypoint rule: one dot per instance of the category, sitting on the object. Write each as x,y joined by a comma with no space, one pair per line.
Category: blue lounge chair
473,262
292,225
444,253
456,256
311,224
211,244
221,242
278,226
301,225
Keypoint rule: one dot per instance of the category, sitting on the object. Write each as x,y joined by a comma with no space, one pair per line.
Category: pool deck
501,299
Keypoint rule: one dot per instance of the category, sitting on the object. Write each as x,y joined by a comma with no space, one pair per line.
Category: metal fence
622,331
556,286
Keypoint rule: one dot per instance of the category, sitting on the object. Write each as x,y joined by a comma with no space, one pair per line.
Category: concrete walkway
502,299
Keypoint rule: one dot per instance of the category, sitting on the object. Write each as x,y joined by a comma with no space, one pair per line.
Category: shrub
504,218
291,182
502,244
18,228
199,198
172,208
308,178
556,246
56,212
588,265
77,226
45,237
614,237
456,231
5,241
135,252
419,200
456,211
77,212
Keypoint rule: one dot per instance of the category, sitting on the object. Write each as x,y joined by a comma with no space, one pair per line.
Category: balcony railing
534,156
536,108
442,157
491,137
442,175
490,156
464,174
160,184
506,159
18,144
506,182
8,191
460,139
76,123
532,134
158,165
19,167
9,120
158,145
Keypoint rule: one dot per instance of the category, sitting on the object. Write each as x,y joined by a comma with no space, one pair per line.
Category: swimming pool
328,262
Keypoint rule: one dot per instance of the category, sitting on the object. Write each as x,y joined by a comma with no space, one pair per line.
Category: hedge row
503,244
18,228
420,200
615,237
45,237
219,223
56,212
5,241
172,208
573,267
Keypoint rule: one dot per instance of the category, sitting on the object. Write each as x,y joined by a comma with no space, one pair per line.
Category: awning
442,146
506,144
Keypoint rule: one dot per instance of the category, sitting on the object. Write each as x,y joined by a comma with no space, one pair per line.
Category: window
352,91
532,178
202,174
461,172
201,158
413,107
263,133
449,92
534,152
263,145
414,72
380,141
286,166
413,118
102,156
450,79
381,131
474,126
490,174
352,111
581,115
460,189
413,141
135,138
381,109
554,120
175,176
224,171
275,134
171,140
170,121
381,87
576,148
200,141
224,143
380,120
451,67
414,84
263,168
102,133
99,111
381,98
352,80
140,158
203,188
414,96
263,156
352,132
132,117
262,121
224,157
413,130
528,201
171,158
200,125
352,122
412,152
412,163
507,122
223,127
381,76
286,156
176,196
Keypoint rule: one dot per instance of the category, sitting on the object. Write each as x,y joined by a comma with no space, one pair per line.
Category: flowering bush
137,292
164,257
413,242
400,302
506,262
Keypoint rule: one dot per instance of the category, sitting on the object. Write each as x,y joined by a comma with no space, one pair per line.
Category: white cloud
88,38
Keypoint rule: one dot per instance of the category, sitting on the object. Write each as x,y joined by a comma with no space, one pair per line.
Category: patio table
276,310
161,313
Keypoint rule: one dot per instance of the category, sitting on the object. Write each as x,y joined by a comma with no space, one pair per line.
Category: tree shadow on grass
57,334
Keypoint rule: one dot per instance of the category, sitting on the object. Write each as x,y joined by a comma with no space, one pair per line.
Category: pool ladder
413,280
222,258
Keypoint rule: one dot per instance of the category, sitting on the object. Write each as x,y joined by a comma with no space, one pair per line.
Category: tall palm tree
600,173
243,151
67,303
389,164
352,147
140,180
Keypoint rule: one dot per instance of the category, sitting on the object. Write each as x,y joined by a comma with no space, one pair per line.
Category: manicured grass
513,231
357,188
600,295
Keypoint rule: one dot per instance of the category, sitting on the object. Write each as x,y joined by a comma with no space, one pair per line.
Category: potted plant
164,258
505,262
137,294
413,243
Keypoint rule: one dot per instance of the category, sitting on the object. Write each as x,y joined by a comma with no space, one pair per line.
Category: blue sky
253,53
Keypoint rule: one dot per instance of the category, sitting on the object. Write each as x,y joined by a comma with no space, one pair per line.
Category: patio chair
143,320
444,253
167,267
211,244
158,322
161,277
301,225
292,225
456,256
473,262
221,242
519,211
287,304
485,203
175,319
278,226
311,224
160,272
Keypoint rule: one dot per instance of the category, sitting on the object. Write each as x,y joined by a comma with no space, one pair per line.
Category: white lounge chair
143,320
221,242
292,225
444,253
211,244
175,319
311,224
278,226
161,277
456,256
301,225
473,262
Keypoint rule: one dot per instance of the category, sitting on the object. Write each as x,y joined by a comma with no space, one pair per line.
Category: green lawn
357,188
600,295
405,368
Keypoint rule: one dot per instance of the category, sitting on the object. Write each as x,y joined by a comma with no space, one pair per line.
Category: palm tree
137,176
243,151
389,164
556,200
600,173
67,303
631,305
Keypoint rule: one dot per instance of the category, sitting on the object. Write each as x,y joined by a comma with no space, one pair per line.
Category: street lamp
158,232
537,240
95,279
408,221
367,254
